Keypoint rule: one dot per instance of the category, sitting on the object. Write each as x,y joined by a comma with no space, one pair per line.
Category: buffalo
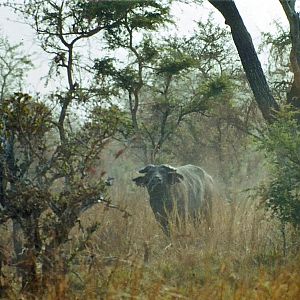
182,192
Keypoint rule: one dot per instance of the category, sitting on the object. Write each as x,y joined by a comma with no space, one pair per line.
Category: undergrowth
128,257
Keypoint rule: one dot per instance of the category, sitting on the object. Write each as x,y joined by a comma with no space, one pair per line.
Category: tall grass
128,257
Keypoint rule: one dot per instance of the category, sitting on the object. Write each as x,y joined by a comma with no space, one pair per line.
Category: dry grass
130,258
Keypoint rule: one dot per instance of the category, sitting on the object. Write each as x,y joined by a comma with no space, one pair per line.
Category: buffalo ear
140,181
174,177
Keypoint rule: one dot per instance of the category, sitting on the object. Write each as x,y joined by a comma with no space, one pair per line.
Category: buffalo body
182,192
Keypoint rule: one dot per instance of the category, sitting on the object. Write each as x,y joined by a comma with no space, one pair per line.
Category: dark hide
185,191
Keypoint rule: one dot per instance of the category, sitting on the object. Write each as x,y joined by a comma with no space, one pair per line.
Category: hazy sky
258,15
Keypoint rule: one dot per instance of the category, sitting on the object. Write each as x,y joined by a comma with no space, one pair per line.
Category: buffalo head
157,177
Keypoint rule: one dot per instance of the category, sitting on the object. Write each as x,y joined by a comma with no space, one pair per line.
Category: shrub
281,144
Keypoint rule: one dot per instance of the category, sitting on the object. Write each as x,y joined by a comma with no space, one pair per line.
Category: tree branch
249,58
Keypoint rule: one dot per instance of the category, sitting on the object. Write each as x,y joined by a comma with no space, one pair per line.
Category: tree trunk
2,200
249,59
54,265
293,96
30,254
17,242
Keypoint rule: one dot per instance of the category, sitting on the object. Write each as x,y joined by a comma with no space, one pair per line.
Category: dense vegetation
130,92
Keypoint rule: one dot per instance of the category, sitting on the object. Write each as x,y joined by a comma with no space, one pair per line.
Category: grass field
128,257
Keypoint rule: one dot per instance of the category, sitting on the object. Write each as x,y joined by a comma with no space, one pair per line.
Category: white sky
258,15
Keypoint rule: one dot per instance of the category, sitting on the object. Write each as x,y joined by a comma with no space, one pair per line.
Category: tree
293,95
282,146
278,71
13,67
46,159
281,137
249,59
281,193
166,82
131,78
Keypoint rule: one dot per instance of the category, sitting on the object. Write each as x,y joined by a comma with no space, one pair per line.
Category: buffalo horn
146,169
169,168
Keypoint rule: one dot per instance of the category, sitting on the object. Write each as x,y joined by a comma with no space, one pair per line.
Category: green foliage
279,70
105,67
217,86
25,116
284,197
127,78
106,122
174,63
50,171
136,16
147,14
212,46
281,42
14,66
211,92
168,80
173,58
149,49
282,147
47,182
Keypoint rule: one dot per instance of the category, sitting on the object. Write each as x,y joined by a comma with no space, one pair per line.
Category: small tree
45,157
282,147
45,187
166,82
279,73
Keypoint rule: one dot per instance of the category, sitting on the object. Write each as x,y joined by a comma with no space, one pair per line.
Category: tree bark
293,96
2,200
251,64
